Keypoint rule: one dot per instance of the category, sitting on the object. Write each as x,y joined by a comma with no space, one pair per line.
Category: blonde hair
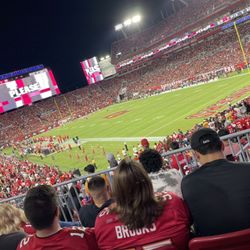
11,219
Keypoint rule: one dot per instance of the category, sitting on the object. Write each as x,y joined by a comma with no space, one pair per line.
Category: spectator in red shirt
145,143
41,209
179,161
138,217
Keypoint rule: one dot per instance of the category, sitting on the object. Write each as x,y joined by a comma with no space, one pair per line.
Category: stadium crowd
18,176
132,214
194,63
168,29
181,68
149,204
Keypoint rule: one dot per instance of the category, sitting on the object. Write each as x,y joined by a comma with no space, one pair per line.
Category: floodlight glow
107,57
136,19
118,27
127,22
102,58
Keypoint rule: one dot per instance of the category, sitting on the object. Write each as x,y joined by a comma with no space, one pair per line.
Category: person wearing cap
217,193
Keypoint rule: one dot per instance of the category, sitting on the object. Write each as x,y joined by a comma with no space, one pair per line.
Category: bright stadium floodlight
107,57
136,19
127,22
102,58
118,27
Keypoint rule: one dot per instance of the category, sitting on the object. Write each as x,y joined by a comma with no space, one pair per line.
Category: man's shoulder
75,233
241,164
213,167
192,175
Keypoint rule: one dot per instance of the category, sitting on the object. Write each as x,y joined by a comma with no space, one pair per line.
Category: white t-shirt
167,181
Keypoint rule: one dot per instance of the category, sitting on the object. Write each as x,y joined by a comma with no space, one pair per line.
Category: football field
157,116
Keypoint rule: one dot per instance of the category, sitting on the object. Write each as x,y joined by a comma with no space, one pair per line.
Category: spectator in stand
138,217
100,194
73,198
11,221
90,169
145,143
218,193
111,160
42,211
201,62
162,179
230,149
179,68
179,161
186,18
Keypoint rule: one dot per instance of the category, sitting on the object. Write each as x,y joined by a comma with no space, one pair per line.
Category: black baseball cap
204,136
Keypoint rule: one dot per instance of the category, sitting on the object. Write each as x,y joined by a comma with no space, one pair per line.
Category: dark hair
40,206
174,145
90,168
136,205
213,147
96,183
223,132
151,160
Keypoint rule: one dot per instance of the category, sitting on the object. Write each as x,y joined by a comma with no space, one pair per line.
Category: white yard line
120,139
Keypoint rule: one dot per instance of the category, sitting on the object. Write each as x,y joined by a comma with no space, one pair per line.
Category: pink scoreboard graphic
92,71
24,90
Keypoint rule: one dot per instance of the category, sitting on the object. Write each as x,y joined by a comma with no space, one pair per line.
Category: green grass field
151,117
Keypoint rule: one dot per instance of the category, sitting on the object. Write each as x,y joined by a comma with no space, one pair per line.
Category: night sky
61,33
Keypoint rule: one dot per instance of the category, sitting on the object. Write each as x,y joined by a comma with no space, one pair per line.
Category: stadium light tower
118,27
136,19
127,23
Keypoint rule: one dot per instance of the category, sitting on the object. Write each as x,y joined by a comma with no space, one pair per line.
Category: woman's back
171,226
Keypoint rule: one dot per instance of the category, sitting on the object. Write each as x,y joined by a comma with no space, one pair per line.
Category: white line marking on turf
120,139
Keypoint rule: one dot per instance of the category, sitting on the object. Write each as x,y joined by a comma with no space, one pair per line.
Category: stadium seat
239,240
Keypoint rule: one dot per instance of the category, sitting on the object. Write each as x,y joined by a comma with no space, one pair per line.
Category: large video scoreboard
26,86
95,71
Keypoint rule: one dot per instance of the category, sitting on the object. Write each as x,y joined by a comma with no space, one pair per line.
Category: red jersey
240,124
183,161
171,228
65,239
247,122
230,128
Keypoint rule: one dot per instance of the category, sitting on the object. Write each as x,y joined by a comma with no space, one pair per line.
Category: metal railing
72,193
